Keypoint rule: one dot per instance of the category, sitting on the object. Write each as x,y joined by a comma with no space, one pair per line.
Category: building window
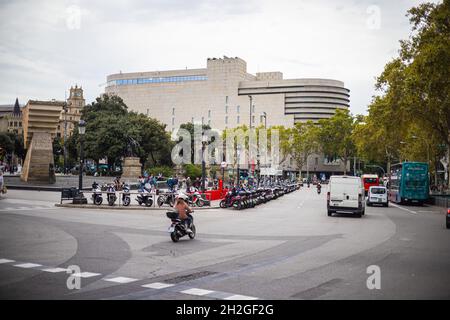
253,108
226,99
209,113
173,121
226,119
253,119
173,111
192,120
317,161
237,120
238,109
226,109
20,124
15,123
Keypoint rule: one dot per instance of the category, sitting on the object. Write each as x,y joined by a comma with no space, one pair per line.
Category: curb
115,207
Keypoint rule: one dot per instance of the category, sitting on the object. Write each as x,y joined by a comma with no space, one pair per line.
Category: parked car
346,194
377,195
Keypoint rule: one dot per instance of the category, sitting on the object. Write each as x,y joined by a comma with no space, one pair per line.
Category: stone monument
132,165
40,121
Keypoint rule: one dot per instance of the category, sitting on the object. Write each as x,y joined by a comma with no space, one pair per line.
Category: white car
377,195
346,194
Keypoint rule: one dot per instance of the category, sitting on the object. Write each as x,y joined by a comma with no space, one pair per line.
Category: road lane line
6,261
158,285
121,280
28,265
54,270
86,274
397,206
197,292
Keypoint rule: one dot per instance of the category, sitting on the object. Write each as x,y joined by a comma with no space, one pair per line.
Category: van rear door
344,192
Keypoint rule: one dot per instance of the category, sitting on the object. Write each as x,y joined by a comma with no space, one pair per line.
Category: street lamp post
80,199
251,103
264,114
65,138
259,169
238,153
81,132
204,142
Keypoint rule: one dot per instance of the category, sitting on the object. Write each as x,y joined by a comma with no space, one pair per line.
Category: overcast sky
46,46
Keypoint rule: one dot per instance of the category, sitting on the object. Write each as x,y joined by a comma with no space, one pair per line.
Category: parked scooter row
244,198
111,196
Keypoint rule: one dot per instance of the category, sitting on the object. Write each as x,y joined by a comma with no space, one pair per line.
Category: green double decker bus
409,182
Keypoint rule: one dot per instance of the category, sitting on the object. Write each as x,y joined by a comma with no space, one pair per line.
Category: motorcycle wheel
171,202
200,202
174,236
192,235
126,201
149,202
160,202
238,206
223,204
111,201
98,201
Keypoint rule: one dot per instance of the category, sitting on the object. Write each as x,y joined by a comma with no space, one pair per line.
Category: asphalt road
286,249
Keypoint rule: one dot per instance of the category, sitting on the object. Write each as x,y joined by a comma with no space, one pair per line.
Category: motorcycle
145,197
195,199
230,200
111,194
126,198
166,198
177,229
96,194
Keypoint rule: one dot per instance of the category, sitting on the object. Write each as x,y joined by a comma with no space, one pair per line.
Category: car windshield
378,191
370,180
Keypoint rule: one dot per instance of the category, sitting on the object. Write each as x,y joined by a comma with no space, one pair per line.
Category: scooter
166,198
96,194
126,198
177,229
145,197
111,194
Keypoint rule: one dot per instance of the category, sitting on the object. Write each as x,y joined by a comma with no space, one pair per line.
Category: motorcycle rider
183,210
319,187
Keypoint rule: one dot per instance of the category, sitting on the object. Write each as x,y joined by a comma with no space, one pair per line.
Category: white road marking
54,270
197,292
240,297
158,285
6,261
397,206
86,274
121,280
28,265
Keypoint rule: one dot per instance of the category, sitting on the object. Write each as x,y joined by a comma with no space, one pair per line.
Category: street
287,248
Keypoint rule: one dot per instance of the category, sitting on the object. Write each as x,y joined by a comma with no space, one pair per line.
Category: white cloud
40,57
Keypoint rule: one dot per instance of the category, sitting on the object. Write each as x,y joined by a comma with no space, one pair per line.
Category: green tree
304,142
193,171
335,136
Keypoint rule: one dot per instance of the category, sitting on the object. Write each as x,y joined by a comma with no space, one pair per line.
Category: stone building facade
224,95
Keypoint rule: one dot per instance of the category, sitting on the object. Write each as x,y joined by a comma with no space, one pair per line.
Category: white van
346,193
377,195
